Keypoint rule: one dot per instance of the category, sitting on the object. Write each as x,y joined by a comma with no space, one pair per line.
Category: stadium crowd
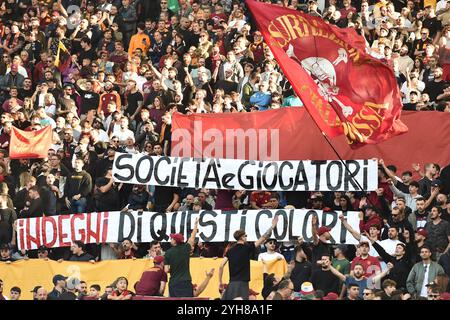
133,63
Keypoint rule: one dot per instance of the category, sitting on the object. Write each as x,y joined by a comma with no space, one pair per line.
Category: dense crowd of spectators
135,62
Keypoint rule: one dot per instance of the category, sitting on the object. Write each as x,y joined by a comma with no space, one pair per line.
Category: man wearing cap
369,215
153,281
176,262
270,254
239,268
371,264
43,253
59,282
34,291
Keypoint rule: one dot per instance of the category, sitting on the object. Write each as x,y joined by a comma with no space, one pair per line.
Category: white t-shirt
266,256
123,135
389,245
424,291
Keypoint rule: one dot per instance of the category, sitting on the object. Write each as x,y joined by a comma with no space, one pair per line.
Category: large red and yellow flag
30,144
344,89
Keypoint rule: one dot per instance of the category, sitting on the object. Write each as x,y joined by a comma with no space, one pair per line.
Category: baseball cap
331,296
363,242
58,277
178,237
42,248
35,289
271,239
322,230
158,259
423,232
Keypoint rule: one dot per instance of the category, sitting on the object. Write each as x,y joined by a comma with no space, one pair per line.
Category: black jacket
401,269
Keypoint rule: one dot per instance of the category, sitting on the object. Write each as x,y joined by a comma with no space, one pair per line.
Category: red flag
345,90
30,144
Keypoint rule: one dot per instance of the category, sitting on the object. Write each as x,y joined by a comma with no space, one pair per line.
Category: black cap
36,289
42,248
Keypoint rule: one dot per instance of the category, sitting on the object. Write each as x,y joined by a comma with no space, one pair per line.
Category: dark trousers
181,289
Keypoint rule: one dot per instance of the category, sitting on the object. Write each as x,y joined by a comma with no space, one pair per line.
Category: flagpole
340,159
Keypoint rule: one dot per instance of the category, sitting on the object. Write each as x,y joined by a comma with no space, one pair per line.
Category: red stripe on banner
29,238
82,231
105,227
21,234
44,231
90,232
63,236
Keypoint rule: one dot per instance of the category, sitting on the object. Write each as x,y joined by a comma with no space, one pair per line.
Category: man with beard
419,217
323,278
438,232
397,220
89,98
157,91
357,278
109,95
67,101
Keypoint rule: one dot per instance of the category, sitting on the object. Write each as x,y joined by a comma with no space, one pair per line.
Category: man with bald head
41,294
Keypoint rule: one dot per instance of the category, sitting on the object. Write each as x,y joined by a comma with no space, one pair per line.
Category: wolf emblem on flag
324,74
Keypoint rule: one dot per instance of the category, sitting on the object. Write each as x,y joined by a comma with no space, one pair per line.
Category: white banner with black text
214,226
232,174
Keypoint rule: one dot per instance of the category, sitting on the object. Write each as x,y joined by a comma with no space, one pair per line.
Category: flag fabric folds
30,144
173,5
63,58
345,90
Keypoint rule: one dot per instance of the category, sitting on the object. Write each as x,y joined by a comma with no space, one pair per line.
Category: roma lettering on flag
30,144
63,58
345,90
